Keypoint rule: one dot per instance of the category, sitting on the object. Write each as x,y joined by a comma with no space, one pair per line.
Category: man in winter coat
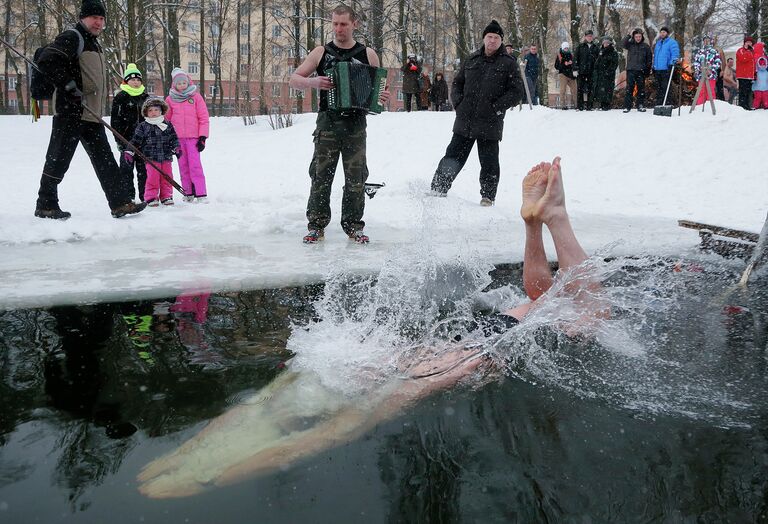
487,84
75,64
564,65
586,54
126,114
338,133
639,60
411,74
438,95
745,72
604,76
532,72
666,53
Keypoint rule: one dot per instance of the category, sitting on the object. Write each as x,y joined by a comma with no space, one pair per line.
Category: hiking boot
627,110
359,237
55,214
130,208
314,236
486,202
189,198
202,200
167,201
640,109
153,202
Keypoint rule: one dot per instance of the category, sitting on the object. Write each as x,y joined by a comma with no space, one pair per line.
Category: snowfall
629,178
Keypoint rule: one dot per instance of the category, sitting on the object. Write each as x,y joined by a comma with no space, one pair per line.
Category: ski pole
120,137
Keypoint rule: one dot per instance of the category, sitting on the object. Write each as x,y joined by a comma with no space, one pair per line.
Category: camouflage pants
345,137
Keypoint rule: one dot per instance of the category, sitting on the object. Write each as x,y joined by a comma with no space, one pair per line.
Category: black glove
178,153
201,144
72,91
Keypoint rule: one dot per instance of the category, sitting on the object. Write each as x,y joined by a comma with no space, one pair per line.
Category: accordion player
356,87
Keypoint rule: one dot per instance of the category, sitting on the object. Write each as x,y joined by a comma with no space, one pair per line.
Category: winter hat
131,72
762,62
154,102
637,31
749,39
495,28
179,74
565,45
706,37
92,8
607,38
588,32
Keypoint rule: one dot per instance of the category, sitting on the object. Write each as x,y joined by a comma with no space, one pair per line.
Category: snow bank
628,179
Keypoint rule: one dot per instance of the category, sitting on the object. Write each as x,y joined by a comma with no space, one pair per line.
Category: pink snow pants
761,100
156,182
192,176
703,94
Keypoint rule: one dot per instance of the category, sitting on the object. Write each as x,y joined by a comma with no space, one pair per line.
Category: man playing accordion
337,132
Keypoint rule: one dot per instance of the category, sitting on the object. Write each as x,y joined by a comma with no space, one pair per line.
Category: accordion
356,87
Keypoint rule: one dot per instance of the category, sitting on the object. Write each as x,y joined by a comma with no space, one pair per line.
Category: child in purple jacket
156,138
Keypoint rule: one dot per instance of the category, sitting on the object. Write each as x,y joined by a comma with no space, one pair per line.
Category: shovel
665,110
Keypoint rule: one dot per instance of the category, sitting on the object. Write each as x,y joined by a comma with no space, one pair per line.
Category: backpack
40,86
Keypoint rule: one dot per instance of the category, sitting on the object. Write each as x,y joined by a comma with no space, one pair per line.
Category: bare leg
537,277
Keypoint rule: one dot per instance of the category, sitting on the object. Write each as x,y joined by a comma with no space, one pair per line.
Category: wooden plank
719,230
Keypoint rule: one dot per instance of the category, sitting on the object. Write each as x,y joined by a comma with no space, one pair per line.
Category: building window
275,70
150,67
192,27
276,31
151,87
399,95
291,52
245,29
243,69
193,68
275,89
291,70
245,49
400,77
13,102
294,93
212,90
11,83
276,50
193,48
215,29
277,12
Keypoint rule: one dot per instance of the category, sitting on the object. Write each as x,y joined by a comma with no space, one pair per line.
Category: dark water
92,393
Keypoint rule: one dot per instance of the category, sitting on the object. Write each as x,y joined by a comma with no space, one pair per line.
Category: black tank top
356,53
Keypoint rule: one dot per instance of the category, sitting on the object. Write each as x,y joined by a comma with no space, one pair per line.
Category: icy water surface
660,416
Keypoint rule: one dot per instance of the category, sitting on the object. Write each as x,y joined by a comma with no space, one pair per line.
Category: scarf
133,91
183,96
158,121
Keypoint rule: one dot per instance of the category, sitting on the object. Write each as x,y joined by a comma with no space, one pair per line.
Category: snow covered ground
628,179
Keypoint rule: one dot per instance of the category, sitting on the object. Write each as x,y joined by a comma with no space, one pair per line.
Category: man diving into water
269,431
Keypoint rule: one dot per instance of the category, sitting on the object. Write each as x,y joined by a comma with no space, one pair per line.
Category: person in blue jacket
666,52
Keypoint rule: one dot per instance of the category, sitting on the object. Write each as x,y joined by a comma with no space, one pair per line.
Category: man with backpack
75,65
338,133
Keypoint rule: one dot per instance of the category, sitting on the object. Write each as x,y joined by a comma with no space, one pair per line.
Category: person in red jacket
745,72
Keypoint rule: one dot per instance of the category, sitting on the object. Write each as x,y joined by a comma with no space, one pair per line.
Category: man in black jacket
75,64
586,55
639,60
487,84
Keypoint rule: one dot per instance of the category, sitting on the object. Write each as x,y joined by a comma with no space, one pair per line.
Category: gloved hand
201,143
128,157
178,153
575,74
72,91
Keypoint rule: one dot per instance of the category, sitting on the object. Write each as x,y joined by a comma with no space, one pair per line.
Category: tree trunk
401,30
601,19
575,28
263,64
311,12
678,21
462,20
297,48
201,84
238,55
700,22
650,32
513,27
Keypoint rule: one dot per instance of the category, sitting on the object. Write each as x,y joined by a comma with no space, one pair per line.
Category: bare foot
534,187
552,205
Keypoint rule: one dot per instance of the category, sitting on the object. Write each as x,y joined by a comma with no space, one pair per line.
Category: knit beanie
92,8
131,72
495,28
607,39
565,45
154,102
179,74
664,28
749,39
588,32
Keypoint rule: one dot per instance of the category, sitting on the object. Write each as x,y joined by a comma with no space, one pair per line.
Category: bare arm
300,79
373,59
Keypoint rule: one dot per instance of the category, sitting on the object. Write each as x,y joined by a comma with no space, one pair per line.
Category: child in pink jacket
189,115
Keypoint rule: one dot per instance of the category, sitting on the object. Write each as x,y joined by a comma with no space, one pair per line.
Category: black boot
55,214
128,209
